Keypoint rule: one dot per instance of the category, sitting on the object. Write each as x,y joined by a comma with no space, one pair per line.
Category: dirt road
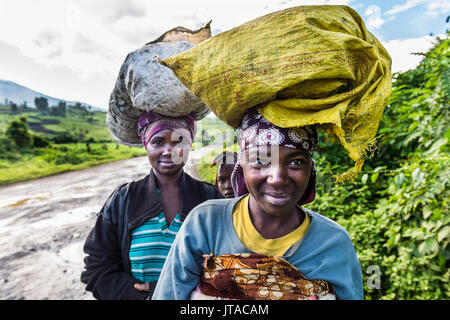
44,222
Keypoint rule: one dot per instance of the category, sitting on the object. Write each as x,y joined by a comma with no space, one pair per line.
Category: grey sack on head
145,85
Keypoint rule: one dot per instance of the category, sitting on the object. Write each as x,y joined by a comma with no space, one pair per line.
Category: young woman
263,244
225,162
135,229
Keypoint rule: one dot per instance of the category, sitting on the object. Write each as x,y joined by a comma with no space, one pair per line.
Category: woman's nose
167,150
227,184
276,175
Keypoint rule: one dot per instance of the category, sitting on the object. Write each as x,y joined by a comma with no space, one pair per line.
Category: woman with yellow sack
326,72
263,244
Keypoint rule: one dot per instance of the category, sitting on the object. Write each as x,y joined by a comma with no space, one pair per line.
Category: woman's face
276,177
167,152
224,180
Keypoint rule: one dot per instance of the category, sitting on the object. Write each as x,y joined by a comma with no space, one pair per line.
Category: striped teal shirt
150,245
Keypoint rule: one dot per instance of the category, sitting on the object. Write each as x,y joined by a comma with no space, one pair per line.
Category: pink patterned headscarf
256,131
151,123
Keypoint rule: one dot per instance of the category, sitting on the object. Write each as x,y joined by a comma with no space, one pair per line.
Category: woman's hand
141,286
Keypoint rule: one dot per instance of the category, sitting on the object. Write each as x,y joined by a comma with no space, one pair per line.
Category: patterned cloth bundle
250,276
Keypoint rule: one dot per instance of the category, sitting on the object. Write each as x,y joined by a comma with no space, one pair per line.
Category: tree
14,107
40,141
41,104
59,110
62,108
17,131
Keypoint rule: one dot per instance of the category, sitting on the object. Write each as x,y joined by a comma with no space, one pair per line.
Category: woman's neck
271,226
167,181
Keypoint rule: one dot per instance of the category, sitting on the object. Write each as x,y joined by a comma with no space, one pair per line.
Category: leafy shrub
64,137
17,131
39,141
57,156
6,145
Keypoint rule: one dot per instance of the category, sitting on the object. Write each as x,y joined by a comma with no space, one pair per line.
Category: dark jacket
107,266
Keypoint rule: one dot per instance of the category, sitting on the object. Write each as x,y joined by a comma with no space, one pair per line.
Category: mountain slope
13,92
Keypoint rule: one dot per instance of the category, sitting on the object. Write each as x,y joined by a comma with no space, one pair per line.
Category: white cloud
92,38
433,7
436,7
374,20
401,51
404,7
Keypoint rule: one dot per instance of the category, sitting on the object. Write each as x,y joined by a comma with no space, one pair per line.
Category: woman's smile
166,163
166,160
277,199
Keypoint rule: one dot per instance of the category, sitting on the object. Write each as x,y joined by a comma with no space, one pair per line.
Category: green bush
6,145
57,156
64,137
17,131
39,141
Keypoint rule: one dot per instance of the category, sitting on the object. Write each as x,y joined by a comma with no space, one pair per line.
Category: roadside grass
62,158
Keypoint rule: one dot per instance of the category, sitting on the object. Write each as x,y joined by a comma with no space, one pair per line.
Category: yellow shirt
253,240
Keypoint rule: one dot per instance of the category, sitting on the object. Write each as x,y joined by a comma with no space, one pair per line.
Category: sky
73,49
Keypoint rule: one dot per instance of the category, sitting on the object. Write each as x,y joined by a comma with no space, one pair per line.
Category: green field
78,140
75,123
94,125
90,144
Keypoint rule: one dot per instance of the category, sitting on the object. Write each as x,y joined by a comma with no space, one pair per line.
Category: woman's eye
157,142
260,162
296,162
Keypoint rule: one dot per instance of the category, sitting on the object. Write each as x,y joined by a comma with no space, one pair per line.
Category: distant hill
13,92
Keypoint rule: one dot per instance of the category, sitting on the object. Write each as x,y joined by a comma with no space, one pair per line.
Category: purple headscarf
151,123
256,131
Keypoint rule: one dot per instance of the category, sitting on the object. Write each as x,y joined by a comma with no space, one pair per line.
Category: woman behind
135,229
225,162
264,244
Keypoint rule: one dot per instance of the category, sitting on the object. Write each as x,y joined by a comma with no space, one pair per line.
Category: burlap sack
145,85
300,66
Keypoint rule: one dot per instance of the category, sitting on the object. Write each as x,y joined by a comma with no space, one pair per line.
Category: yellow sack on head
301,66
